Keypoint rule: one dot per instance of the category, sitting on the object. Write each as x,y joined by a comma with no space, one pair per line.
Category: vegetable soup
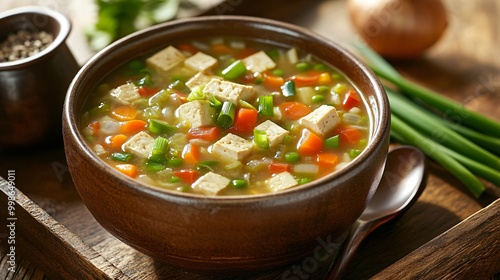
226,116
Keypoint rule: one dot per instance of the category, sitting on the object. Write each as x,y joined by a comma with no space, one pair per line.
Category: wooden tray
446,234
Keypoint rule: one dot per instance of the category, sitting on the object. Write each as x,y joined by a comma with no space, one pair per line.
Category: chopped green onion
332,142
196,94
123,157
154,166
160,127
160,98
318,98
266,105
260,139
292,157
234,70
226,115
244,104
302,66
239,183
158,152
288,89
215,103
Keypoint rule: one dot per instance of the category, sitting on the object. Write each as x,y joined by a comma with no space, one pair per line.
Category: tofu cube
274,132
258,62
200,62
210,183
140,145
196,113
281,181
231,148
228,91
322,120
200,80
126,93
166,59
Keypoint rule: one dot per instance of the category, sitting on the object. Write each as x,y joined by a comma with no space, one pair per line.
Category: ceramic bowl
235,232
32,89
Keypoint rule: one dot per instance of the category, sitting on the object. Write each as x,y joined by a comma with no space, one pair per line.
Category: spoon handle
358,232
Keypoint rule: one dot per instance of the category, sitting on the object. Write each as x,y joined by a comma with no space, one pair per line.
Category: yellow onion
398,29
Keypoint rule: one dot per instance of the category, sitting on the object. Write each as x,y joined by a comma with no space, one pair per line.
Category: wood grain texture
447,234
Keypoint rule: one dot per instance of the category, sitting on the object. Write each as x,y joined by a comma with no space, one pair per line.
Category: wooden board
446,234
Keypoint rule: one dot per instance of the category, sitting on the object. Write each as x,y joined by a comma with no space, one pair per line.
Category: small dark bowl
234,232
32,89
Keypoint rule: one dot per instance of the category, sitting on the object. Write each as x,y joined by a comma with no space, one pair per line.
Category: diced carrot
309,78
245,120
145,91
324,78
221,49
95,126
187,175
327,159
124,113
294,110
349,135
128,169
132,127
273,82
351,100
278,167
187,48
191,154
208,133
116,141
309,143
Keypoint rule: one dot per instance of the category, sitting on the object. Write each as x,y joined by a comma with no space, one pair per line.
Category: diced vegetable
324,78
196,94
351,100
277,167
124,113
349,136
146,91
206,166
260,139
123,157
234,71
306,168
294,110
239,183
133,127
245,120
266,105
306,79
160,127
207,133
116,141
188,176
273,82
302,66
309,143
128,169
327,159
332,142
191,154
226,115
292,157
288,89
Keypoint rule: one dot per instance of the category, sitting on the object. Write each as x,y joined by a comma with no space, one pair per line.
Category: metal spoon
403,181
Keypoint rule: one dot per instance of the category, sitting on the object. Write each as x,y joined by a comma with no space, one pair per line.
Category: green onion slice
160,127
234,70
123,157
266,105
260,139
226,116
196,94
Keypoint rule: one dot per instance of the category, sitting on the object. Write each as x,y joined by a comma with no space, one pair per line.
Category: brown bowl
32,89
235,232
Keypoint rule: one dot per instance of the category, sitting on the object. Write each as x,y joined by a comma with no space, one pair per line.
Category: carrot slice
327,159
209,133
309,143
132,127
128,169
245,120
187,175
294,110
278,167
309,78
147,91
273,82
191,154
124,113
116,141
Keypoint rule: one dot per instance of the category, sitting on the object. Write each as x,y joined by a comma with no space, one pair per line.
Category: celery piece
288,89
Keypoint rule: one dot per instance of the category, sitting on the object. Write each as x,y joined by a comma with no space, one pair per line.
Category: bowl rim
64,29
379,130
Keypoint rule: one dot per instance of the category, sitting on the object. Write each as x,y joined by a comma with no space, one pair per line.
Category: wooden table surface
446,234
